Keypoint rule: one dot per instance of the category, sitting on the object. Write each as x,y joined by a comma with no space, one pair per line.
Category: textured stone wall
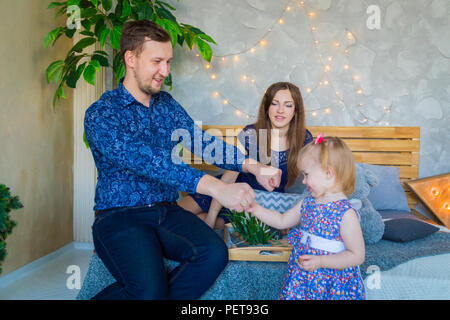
349,74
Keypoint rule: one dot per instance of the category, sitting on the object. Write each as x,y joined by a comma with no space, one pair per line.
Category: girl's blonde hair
335,154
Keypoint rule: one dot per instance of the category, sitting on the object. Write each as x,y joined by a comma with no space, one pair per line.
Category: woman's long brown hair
296,132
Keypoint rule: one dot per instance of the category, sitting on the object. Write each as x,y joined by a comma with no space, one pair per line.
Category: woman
280,128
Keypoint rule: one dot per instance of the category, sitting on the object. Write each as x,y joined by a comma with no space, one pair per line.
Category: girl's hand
310,263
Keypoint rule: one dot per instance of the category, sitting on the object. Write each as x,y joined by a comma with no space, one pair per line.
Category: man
137,220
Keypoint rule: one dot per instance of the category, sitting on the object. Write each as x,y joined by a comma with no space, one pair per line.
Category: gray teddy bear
372,224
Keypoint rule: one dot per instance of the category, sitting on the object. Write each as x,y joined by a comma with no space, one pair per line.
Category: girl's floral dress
319,226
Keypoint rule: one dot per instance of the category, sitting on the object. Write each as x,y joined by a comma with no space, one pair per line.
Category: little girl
328,245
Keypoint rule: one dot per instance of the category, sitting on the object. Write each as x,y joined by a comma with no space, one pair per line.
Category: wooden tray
279,251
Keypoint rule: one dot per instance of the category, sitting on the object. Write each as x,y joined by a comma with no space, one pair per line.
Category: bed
416,269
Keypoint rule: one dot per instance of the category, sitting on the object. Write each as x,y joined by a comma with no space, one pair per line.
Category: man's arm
111,138
108,136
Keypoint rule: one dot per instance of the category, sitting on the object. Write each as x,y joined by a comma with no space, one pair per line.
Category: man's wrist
209,185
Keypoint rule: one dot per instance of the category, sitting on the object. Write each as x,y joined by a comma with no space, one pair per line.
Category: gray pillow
277,201
388,194
406,229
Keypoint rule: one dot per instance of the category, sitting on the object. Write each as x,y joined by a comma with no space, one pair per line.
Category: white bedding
426,278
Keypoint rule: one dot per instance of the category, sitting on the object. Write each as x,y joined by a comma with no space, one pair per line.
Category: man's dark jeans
133,241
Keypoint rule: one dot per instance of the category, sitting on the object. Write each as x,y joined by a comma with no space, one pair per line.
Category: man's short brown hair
134,34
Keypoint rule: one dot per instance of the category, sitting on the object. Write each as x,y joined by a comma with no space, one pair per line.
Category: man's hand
236,196
267,176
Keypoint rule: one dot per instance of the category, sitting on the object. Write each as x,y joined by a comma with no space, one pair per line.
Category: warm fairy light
216,94
244,78
314,114
330,59
208,66
238,113
308,90
346,67
288,8
316,42
337,44
236,58
327,68
223,59
263,43
225,101
252,50
253,80
356,78
446,205
365,120
360,91
213,76
280,21
312,14
313,28
326,82
349,35
327,111
435,192
302,3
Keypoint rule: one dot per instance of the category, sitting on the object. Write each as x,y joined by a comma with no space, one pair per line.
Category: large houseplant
7,203
100,21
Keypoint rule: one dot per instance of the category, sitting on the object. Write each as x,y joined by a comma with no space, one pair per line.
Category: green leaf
103,37
168,81
89,74
73,3
204,49
55,4
107,5
51,36
83,43
189,38
126,9
165,5
95,3
207,38
74,75
114,38
54,71
101,59
85,140
173,29
193,29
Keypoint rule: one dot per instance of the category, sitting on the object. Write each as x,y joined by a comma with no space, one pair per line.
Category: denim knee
147,291
218,254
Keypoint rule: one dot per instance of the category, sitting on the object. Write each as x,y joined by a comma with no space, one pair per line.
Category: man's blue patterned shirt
133,149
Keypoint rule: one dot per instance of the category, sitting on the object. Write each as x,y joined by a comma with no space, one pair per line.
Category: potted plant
99,22
7,203
249,229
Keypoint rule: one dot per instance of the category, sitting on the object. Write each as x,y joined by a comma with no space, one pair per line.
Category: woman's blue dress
248,140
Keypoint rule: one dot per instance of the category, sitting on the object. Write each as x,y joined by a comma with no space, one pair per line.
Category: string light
324,81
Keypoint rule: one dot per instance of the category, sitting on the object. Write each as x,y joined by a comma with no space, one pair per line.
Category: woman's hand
310,262
267,176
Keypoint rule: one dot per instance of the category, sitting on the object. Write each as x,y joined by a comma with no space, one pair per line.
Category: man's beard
147,89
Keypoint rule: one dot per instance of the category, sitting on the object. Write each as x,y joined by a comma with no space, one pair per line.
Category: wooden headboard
390,146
